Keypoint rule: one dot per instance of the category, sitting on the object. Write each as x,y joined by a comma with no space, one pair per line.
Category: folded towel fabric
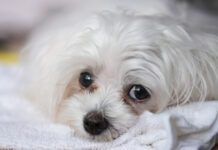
189,127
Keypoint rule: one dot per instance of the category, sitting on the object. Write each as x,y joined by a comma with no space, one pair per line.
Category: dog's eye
86,79
138,93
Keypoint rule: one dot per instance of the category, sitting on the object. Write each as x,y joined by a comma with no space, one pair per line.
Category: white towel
187,127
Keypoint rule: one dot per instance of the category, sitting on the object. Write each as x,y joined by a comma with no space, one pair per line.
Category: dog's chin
108,135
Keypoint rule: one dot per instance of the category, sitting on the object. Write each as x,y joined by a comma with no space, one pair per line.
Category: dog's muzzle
95,123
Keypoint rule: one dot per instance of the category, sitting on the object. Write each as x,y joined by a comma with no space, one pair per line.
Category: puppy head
99,78
114,75
105,96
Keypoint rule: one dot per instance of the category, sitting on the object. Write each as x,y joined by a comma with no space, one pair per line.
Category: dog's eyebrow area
142,62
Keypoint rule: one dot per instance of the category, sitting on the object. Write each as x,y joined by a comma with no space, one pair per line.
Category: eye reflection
86,79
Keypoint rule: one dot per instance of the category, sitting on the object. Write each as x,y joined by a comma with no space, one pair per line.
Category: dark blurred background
210,6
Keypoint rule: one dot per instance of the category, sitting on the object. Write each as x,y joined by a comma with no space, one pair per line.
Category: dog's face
115,76
107,94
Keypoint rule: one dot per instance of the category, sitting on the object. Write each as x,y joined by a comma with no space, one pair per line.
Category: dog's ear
189,62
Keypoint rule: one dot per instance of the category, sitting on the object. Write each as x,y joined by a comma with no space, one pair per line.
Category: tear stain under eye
74,88
132,107
93,88
71,88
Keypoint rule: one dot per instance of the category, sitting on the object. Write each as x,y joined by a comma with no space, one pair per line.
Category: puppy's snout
94,123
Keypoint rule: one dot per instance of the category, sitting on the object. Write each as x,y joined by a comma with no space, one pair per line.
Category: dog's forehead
120,64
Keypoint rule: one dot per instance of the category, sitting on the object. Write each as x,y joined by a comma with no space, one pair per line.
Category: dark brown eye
86,79
138,93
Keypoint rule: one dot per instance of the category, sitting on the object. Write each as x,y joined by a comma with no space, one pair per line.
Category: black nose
94,123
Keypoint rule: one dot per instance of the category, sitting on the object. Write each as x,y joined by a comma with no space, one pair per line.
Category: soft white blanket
188,127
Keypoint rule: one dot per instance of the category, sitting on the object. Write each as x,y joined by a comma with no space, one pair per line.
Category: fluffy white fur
138,44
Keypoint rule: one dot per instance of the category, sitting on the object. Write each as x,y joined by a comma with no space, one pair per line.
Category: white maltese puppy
99,68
